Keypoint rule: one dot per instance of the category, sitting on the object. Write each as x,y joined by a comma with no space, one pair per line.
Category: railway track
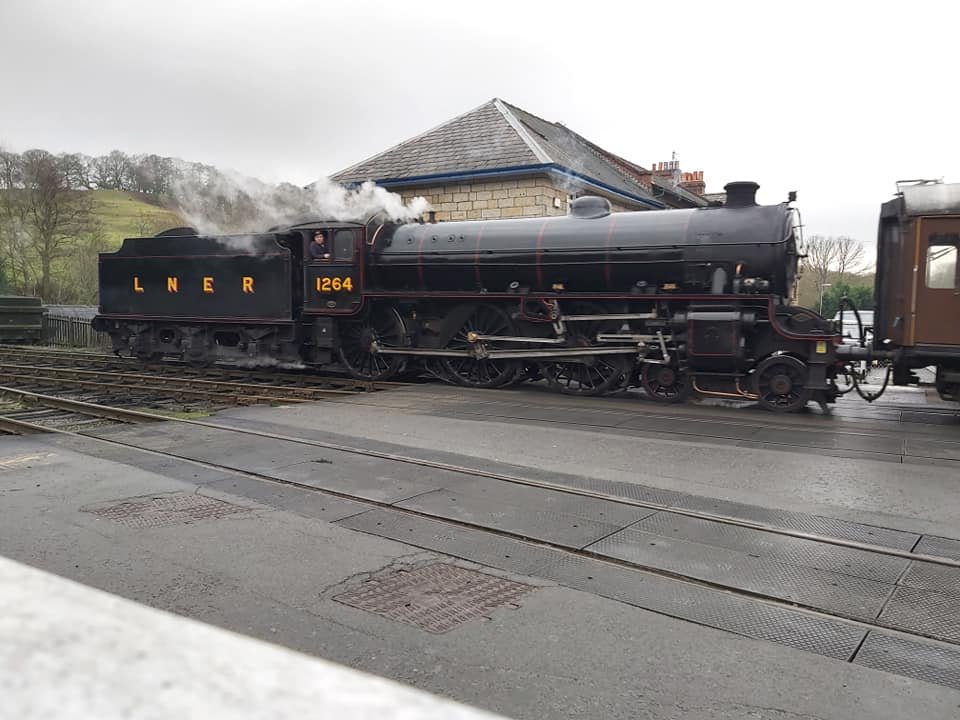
94,361
532,542
113,381
63,360
172,388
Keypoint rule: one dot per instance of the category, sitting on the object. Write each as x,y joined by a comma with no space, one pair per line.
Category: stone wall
535,196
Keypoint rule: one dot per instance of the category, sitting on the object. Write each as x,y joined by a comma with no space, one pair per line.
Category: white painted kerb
67,651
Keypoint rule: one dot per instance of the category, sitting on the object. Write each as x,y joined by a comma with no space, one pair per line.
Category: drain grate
163,510
435,597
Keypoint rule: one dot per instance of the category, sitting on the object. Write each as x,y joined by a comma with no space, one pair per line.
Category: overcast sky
835,99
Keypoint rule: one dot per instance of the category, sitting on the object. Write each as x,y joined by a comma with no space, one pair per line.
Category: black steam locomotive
673,301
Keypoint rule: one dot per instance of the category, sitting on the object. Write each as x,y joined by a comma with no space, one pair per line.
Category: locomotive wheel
383,326
596,375
780,382
480,372
663,383
592,375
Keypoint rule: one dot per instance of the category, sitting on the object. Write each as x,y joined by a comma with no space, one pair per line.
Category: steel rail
660,413
730,419
214,385
79,407
21,427
304,379
52,351
234,398
516,536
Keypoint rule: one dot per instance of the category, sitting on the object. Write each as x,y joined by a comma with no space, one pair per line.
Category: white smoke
339,203
216,202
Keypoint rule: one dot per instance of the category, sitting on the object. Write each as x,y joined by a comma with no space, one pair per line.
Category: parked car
851,330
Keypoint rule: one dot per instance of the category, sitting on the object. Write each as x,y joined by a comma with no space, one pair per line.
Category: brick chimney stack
669,171
693,182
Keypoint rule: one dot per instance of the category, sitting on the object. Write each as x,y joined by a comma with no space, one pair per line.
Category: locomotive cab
333,279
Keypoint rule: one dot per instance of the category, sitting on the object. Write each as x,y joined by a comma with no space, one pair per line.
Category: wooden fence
74,332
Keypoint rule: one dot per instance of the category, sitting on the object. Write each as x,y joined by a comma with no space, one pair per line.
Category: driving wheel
780,382
480,372
382,326
588,374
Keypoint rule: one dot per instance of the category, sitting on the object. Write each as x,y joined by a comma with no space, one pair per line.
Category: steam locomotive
673,301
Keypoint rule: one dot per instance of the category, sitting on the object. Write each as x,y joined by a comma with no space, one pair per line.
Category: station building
499,161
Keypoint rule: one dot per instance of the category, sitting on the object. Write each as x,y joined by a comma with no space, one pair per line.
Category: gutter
555,169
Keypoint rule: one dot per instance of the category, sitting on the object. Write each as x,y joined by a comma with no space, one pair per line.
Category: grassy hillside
128,214
120,214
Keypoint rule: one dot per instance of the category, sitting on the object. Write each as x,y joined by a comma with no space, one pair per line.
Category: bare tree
13,219
112,172
77,170
821,257
41,215
849,255
79,279
151,174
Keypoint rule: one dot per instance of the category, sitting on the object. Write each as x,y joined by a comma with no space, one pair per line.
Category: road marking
17,460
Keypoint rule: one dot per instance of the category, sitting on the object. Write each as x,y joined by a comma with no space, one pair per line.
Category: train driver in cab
318,246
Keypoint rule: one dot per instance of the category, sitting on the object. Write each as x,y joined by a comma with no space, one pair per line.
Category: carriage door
332,285
938,282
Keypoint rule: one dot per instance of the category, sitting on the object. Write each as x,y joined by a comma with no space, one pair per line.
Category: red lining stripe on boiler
540,254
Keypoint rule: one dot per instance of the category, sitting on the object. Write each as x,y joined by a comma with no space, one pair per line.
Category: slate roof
570,150
497,136
481,139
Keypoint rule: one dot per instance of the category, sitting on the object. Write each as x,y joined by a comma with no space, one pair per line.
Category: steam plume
216,202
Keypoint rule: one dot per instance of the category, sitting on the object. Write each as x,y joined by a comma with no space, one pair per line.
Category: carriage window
942,267
343,245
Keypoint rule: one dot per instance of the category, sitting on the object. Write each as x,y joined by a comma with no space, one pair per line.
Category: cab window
942,265
315,251
343,245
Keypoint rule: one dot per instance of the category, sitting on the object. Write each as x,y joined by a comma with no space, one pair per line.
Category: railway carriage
21,319
917,318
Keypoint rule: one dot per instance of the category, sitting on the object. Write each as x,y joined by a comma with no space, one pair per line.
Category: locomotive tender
673,300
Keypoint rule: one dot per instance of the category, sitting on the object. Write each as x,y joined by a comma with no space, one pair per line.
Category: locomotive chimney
432,216
741,193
